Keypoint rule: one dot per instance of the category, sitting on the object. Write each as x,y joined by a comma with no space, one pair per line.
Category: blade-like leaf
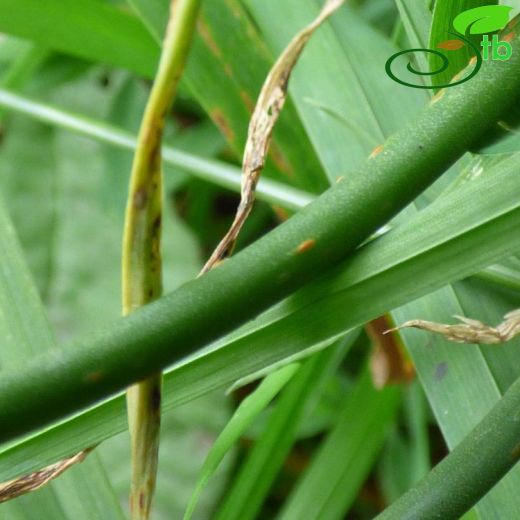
343,461
245,414
256,475
25,331
87,28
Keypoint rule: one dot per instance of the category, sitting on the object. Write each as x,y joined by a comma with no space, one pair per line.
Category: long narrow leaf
248,410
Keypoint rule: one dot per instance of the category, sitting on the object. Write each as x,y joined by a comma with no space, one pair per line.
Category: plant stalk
141,261
470,470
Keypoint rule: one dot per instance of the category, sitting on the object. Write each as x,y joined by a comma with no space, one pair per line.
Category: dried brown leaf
389,363
19,486
472,331
268,107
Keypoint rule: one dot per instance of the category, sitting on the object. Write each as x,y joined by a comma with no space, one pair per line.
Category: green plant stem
324,233
219,173
142,265
470,471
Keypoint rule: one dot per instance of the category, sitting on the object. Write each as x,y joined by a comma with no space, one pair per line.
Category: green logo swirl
479,20
443,67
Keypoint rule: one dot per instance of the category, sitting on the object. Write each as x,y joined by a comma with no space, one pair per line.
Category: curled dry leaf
268,107
472,331
36,480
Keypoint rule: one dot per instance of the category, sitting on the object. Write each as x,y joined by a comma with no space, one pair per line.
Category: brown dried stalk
268,107
472,331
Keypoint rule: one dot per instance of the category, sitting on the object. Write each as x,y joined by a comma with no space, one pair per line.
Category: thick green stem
142,266
471,469
324,233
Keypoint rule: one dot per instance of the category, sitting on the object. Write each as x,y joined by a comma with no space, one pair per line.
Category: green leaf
343,461
247,411
186,437
350,86
256,475
216,172
90,29
83,492
406,456
416,19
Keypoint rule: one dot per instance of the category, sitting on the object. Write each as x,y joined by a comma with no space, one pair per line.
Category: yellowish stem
141,259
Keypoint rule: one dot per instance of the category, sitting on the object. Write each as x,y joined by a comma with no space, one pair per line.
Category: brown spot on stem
141,500
509,37
234,8
281,213
306,245
228,70
340,178
155,399
140,198
472,61
513,23
94,377
376,151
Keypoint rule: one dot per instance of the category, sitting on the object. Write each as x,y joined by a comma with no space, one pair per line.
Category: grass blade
343,461
219,173
93,30
259,470
142,262
25,330
242,418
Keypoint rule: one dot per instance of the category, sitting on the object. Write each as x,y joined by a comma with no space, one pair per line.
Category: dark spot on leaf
515,454
440,371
